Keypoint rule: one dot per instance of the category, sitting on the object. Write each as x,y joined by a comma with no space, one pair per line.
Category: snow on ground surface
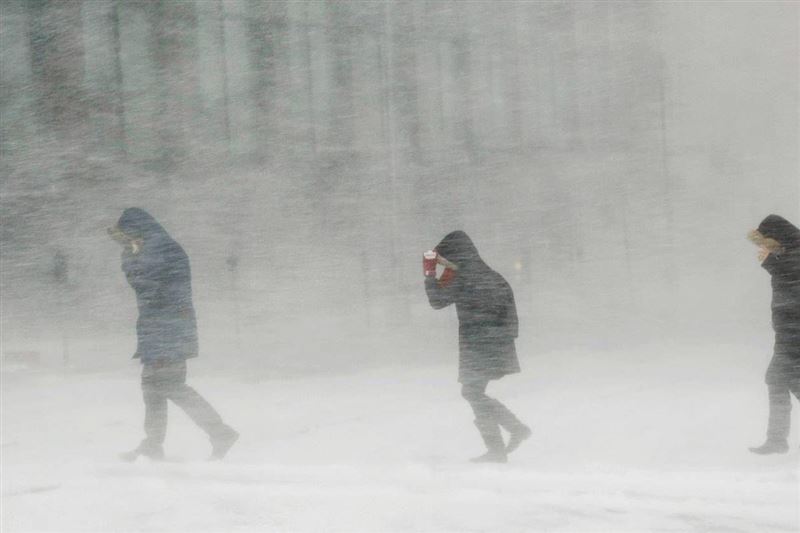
651,441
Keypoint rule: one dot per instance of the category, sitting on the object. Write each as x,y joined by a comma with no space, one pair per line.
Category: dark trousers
162,381
490,414
783,379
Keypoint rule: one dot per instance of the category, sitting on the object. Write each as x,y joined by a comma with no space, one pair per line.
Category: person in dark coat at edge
779,242
158,270
488,327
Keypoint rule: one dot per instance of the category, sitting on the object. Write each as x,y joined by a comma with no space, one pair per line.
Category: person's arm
440,292
439,296
147,276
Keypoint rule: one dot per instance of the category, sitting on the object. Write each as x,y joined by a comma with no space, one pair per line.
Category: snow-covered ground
654,440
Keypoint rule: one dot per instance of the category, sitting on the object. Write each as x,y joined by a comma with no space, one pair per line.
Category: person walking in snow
779,243
488,327
157,269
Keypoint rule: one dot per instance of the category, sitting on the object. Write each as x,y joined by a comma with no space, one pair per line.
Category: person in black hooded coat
779,241
488,327
157,269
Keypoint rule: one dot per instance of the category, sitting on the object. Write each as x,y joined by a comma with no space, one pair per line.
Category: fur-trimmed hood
778,228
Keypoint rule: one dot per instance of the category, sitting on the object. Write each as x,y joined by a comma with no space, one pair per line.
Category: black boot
154,452
223,442
509,421
772,446
490,432
517,437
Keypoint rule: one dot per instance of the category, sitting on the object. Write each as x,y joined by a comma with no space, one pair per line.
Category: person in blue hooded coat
157,268
779,241
487,329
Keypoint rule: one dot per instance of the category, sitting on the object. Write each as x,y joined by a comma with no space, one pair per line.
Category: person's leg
780,411
155,416
503,415
201,412
485,406
794,386
780,408
475,394
155,419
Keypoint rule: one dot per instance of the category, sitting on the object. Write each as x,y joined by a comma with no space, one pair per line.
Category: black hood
458,248
139,224
780,229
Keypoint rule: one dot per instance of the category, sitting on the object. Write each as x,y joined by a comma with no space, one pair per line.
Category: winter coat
784,267
160,275
487,314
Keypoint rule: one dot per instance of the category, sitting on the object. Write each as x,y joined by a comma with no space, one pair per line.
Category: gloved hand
429,263
447,277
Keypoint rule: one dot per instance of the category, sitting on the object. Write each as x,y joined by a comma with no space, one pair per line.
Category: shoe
771,446
491,457
154,453
517,438
223,443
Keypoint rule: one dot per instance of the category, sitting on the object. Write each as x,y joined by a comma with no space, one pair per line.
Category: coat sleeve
143,285
148,279
438,296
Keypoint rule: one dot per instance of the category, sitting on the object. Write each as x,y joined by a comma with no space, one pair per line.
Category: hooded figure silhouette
783,373
158,270
487,329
